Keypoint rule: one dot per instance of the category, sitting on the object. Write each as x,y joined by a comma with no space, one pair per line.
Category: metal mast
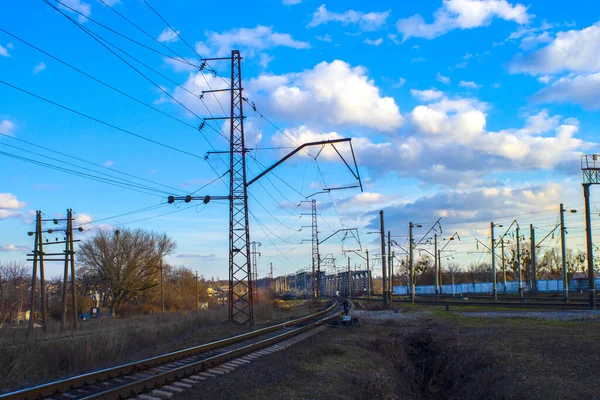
316,262
255,270
240,274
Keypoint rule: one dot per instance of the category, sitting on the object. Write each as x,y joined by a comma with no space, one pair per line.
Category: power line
98,120
85,161
78,173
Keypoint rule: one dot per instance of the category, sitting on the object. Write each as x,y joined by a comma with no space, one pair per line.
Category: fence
544,286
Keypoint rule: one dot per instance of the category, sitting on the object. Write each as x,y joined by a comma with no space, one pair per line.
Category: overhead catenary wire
110,125
83,160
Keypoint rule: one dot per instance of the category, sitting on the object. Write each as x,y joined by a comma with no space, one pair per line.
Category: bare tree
14,290
126,262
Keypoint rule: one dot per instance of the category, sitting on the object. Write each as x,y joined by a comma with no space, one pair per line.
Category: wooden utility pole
162,294
197,294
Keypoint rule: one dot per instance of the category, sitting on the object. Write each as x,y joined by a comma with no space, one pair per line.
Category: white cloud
324,38
462,14
441,78
469,84
82,219
10,206
496,85
362,202
9,201
366,21
39,68
168,35
7,127
112,2
333,93
248,40
109,163
572,51
265,60
12,247
581,89
375,42
79,6
291,2
4,52
399,83
545,79
427,95
467,56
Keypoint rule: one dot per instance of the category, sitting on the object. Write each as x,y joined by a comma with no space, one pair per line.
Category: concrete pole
589,246
349,279
390,272
532,277
563,249
435,266
162,297
197,294
369,280
441,276
503,264
520,278
383,266
410,262
494,290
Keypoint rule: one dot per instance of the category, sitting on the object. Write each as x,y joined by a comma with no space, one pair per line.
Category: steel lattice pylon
240,274
316,263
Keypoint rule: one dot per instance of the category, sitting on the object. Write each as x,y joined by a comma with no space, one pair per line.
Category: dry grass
102,343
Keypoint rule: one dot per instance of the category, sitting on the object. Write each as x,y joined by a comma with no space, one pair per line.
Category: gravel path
552,315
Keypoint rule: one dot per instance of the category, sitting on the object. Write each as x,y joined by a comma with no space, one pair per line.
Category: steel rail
514,304
63,385
144,385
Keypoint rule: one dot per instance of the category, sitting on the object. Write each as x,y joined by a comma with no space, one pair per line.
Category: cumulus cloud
581,89
7,127
109,163
471,207
12,247
441,78
469,85
168,35
448,143
324,38
427,95
375,42
335,93
39,68
4,51
399,83
570,51
248,40
291,2
78,7
462,14
10,206
366,21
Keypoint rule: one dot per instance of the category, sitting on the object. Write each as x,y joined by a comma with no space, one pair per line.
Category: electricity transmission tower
316,261
241,282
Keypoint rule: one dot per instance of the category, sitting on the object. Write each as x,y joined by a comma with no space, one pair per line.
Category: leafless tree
14,290
125,262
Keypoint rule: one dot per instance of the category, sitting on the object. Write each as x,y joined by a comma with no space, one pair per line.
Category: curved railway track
131,379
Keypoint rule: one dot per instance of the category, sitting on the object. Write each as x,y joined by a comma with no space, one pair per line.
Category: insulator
206,199
55,221
202,66
188,198
50,231
171,199
80,229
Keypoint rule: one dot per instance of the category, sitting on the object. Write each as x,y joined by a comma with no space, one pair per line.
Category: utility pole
349,279
520,277
162,294
255,269
589,245
435,265
390,272
72,262
492,247
439,266
369,279
383,272
197,294
36,254
316,261
563,249
503,264
532,277
392,276
411,261
271,278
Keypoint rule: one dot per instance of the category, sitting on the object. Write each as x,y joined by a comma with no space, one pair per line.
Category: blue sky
467,110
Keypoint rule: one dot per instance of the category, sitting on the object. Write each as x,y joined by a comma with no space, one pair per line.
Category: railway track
516,303
133,379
